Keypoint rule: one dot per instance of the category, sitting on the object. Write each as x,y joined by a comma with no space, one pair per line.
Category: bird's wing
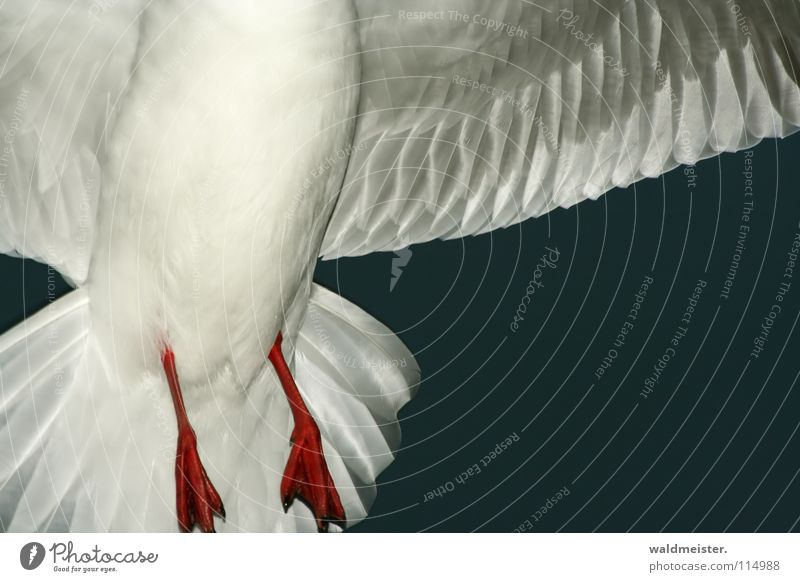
477,114
63,67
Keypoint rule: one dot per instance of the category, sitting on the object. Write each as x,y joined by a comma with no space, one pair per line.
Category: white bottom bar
407,557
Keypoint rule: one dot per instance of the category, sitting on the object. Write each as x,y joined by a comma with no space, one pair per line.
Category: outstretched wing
63,67
479,114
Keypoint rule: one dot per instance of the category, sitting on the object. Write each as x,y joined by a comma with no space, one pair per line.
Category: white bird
184,163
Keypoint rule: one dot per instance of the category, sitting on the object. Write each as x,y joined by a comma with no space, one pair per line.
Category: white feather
179,161
80,451
552,102
219,173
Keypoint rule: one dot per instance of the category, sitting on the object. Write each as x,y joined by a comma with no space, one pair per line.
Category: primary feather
477,115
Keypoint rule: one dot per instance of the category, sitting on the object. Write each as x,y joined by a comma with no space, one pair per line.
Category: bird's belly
224,164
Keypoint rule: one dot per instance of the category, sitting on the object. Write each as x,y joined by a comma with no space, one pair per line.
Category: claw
307,478
197,499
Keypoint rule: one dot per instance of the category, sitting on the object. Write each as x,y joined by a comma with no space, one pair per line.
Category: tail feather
355,375
82,449
38,361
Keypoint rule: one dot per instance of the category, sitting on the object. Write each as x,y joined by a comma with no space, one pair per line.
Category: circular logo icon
31,555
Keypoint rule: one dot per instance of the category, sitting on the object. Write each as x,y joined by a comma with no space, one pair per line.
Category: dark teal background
713,448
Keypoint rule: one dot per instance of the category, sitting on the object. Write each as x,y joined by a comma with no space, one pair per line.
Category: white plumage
184,163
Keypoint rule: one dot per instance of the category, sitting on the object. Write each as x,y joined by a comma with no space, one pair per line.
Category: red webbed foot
197,499
306,476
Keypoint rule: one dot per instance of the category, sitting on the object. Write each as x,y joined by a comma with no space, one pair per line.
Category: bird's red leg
306,475
196,498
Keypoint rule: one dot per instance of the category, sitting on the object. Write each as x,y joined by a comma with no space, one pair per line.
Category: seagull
183,165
